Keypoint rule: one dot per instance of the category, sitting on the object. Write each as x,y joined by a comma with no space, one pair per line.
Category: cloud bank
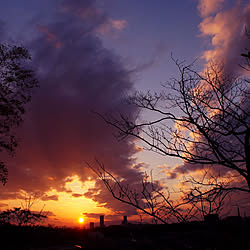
77,75
208,7
224,28
226,31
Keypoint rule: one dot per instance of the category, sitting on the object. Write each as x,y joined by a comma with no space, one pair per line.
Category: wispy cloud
111,25
50,37
50,197
96,17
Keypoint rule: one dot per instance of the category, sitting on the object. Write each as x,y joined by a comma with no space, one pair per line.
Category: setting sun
80,220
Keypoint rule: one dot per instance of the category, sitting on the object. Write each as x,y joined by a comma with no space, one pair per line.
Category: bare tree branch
150,199
212,126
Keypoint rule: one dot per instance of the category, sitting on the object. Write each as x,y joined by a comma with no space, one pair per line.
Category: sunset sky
89,55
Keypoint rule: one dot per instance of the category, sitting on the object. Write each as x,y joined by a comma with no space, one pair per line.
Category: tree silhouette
149,198
22,216
202,197
202,119
16,83
246,55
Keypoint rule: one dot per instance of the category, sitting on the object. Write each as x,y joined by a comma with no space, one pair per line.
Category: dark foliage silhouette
23,216
16,83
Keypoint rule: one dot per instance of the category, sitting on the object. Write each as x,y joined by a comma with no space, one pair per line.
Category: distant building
102,221
211,218
91,225
233,220
125,220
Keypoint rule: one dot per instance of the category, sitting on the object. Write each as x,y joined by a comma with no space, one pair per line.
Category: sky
89,55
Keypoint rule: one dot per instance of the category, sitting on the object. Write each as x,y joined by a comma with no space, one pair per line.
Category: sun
80,220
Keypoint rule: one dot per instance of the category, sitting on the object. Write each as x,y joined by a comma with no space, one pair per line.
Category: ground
231,234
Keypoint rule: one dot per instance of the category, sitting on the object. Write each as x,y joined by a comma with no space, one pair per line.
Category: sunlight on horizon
68,209
80,220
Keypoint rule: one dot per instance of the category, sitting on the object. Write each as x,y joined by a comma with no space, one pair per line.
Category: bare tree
209,193
16,82
149,197
201,118
246,55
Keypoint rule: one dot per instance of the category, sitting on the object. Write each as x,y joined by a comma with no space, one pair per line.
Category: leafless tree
149,197
209,193
246,55
201,118
201,196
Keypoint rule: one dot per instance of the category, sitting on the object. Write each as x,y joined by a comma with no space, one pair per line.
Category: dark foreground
199,235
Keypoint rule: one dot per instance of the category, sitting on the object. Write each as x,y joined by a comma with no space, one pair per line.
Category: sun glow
81,220
65,207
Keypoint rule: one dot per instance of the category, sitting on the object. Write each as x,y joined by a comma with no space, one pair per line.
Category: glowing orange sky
83,73
67,209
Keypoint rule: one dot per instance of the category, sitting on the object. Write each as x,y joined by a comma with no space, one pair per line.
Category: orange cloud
118,24
75,195
208,7
139,149
226,31
50,37
91,14
50,197
3,205
221,27
111,25
82,9
168,171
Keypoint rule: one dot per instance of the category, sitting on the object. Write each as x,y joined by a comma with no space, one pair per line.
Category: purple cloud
77,75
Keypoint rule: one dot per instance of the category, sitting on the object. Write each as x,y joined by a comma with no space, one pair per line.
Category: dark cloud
50,198
68,191
172,174
3,205
96,19
75,195
77,75
140,166
103,197
86,10
2,29
180,170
